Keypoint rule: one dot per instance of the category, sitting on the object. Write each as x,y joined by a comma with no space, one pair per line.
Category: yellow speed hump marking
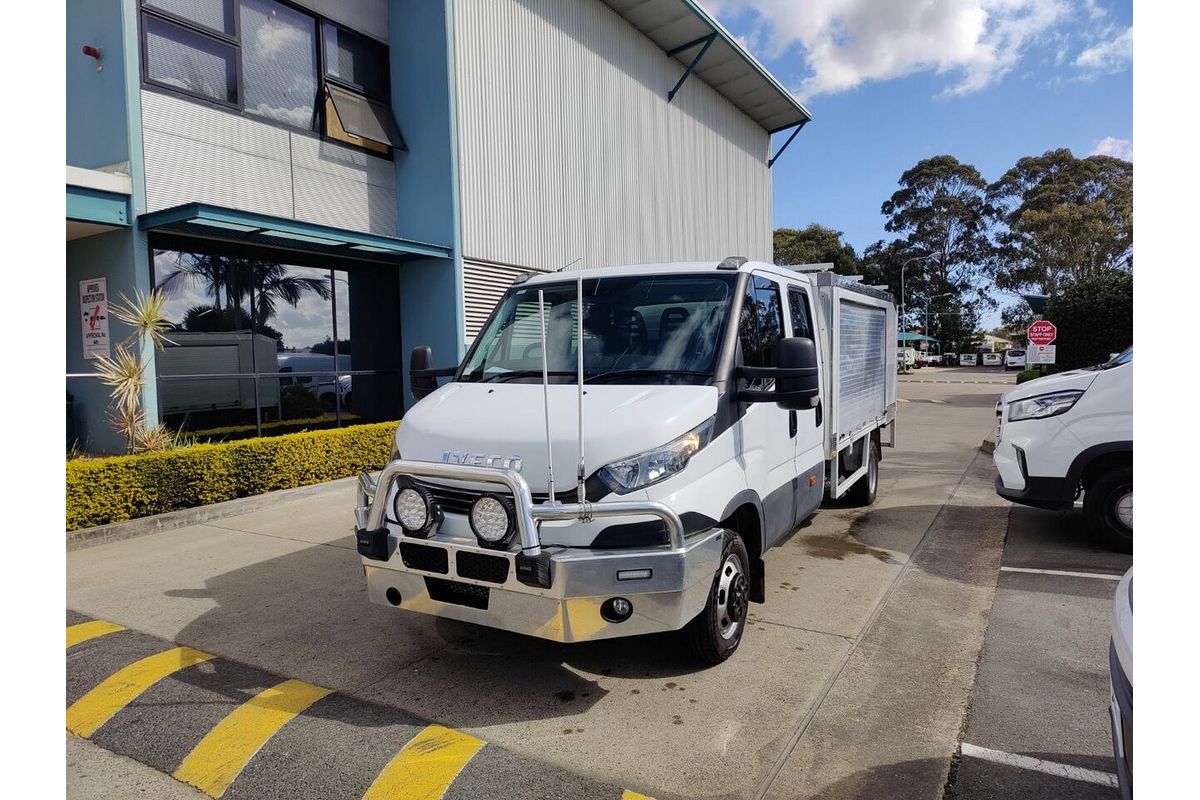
628,795
227,748
119,689
77,634
426,766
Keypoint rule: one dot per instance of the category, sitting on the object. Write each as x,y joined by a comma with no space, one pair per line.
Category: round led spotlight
493,520
616,609
416,510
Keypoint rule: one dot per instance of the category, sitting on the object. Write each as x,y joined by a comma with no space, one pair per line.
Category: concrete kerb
988,446
102,534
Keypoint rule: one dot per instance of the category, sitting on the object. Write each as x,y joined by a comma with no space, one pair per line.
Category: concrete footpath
852,680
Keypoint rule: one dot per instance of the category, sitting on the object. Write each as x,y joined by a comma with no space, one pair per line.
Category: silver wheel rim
732,591
1124,509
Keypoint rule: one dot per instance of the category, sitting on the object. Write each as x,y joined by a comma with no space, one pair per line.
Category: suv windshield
1124,358
636,329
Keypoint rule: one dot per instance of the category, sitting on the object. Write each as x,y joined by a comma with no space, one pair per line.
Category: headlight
416,510
1046,405
652,466
492,519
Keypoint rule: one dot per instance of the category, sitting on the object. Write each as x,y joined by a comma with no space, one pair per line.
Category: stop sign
1042,332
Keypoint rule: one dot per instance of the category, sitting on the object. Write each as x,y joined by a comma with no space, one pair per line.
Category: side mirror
795,374
420,367
798,382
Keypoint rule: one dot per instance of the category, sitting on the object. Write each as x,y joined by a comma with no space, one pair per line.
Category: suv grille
459,594
453,500
481,567
424,557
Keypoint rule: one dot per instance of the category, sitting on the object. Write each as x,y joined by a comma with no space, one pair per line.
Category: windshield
636,329
1124,358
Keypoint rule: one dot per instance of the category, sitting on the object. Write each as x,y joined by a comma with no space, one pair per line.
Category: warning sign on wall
93,300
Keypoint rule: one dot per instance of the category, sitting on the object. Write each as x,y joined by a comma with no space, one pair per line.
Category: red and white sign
1039,354
93,299
1042,332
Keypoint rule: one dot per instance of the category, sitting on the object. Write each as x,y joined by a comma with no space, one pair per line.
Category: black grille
460,594
481,567
424,557
453,500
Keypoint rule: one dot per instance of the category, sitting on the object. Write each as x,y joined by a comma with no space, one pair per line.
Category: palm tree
229,281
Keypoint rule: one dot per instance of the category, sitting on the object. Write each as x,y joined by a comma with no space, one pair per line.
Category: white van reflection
326,387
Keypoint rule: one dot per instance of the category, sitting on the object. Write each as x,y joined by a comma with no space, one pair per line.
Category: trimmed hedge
105,490
1032,372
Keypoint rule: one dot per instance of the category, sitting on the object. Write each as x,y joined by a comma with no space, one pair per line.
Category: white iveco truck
709,411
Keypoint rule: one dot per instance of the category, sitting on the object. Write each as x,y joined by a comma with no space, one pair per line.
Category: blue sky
890,82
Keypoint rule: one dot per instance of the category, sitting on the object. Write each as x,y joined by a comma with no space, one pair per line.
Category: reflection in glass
356,60
279,62
214,14
190,62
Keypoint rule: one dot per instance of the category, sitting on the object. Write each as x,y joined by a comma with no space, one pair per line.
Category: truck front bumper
570,597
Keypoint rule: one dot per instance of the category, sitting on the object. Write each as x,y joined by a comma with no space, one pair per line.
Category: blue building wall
421,42
97,131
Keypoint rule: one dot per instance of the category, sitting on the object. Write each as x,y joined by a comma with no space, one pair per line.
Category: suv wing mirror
422,377
796,376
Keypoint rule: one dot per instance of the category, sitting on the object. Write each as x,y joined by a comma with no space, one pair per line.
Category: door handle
819,417
792,424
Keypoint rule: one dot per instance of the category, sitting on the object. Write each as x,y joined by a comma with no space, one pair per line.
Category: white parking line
1065,573
1038,765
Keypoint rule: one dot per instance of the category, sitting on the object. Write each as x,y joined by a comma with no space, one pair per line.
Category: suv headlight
1046,405
653,466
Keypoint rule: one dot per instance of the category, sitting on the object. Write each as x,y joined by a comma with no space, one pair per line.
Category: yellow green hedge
105,490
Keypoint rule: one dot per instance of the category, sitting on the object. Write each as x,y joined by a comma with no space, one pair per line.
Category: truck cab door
809,441
767,435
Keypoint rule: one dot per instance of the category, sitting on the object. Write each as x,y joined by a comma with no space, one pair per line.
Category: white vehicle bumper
552,592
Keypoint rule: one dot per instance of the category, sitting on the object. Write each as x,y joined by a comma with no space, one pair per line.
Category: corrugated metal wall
569,149
195,153
483,286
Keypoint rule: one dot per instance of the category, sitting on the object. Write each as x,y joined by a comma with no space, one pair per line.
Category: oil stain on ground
838,546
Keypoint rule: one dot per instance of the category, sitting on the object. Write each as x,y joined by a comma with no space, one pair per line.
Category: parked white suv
1014,359
1072,433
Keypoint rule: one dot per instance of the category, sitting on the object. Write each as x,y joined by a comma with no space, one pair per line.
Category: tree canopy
1061,218
816,244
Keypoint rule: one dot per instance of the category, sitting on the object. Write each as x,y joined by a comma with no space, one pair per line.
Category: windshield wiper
634,373
522,373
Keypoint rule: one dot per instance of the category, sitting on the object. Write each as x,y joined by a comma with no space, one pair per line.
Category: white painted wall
568,148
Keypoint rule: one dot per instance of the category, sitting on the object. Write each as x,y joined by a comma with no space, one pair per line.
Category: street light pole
928,303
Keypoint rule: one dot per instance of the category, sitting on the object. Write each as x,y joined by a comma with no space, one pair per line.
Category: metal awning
202,221
684,29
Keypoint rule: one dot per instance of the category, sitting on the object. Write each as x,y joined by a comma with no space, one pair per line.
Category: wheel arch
1095,460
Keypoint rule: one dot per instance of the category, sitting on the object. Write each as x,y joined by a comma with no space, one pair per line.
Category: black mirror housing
798,382
420,363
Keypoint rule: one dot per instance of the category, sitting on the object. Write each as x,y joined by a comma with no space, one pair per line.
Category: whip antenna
579,473
546,394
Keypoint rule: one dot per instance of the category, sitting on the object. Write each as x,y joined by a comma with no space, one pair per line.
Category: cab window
801,321
761,325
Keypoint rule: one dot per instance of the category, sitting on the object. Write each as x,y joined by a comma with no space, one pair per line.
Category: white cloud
1112,146
849,42
1111,55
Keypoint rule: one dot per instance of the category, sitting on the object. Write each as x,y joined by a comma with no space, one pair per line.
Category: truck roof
804,272
669,267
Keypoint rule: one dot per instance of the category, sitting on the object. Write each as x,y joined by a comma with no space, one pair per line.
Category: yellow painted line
426,766
228,747
119,689
902,400
90,630
628,795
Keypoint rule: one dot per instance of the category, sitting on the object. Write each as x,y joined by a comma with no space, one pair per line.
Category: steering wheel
530,349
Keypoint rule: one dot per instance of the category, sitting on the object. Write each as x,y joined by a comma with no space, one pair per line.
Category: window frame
147,9
755,284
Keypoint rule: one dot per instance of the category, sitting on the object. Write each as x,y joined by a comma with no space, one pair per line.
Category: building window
279,62
261,347
183,59
262,57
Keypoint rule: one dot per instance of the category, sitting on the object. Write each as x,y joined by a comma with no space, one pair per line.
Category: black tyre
863,492
716,631
1108,505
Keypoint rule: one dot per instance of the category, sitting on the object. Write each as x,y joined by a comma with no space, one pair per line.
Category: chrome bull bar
373,501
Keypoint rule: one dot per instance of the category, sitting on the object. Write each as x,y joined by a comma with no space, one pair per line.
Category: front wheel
717,630
1108,506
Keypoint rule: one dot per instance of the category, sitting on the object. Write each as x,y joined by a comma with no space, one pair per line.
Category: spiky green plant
124,372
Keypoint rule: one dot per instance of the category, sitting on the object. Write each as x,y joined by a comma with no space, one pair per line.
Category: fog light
416,510
492,519
617,609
